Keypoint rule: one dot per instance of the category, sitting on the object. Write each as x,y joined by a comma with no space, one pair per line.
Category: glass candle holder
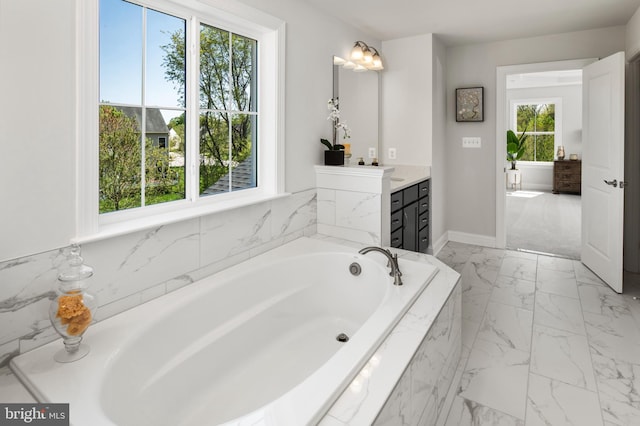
72,311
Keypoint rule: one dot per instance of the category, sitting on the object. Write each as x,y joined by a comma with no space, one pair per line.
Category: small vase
334,158
560,152
72,311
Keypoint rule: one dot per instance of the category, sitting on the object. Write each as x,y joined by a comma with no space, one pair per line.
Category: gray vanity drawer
423,188
423,220
423,240
396,201
396,220
410,194
423,206
396,238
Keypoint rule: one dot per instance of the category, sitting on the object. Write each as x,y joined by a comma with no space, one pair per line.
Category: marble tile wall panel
134,268
419,395
358,210
326,200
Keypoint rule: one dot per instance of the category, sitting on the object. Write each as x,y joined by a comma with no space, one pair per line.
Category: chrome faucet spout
393,262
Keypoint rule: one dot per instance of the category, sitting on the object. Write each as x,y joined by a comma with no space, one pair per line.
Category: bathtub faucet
393,262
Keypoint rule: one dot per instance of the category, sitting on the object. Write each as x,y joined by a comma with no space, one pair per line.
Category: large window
538,121
173,126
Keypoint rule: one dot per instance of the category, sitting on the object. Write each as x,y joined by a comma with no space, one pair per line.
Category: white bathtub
253,344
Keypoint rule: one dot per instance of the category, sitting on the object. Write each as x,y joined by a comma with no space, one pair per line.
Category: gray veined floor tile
518,267
618,413
560,312
496,377
478,277
617,338
474,305
584,274
551,402
507,325
563,356
618,381
456,255
602,300
555,263
514,292
562,283
469,413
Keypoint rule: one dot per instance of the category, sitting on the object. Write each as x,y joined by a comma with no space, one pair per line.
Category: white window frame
237,18
557,140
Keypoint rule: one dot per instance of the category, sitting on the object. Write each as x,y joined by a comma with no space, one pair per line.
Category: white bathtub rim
281,408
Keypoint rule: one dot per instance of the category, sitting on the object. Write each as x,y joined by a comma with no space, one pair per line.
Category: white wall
37,118
632,45
471,173
406,100
439,223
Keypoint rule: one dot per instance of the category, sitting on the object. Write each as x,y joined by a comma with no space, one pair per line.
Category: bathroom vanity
410,217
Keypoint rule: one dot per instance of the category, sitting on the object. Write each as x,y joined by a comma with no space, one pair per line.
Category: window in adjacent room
538,120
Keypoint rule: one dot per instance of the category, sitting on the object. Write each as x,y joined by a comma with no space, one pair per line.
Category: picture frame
470,104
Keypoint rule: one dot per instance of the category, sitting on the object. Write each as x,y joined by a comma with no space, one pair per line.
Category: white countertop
404,176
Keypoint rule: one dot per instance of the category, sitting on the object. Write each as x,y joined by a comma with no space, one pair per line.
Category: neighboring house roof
241,178
155,122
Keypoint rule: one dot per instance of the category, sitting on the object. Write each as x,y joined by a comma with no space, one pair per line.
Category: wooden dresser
567,176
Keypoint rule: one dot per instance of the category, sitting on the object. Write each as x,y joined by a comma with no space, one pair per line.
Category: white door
603,168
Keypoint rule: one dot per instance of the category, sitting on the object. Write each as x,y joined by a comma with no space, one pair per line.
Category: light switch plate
392,154
471,142
372,153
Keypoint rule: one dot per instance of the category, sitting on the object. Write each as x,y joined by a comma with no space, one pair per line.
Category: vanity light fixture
366,56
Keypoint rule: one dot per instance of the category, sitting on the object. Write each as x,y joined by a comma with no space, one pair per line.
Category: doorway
529,216
543,207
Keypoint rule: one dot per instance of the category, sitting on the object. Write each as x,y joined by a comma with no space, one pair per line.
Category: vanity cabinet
410,217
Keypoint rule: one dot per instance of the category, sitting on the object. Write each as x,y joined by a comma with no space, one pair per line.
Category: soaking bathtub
271,341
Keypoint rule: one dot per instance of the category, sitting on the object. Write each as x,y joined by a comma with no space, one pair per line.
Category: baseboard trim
440,243
475,239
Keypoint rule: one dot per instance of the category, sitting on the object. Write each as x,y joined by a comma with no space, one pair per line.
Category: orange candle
347,148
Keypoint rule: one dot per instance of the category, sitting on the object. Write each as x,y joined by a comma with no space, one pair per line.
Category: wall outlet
474,142
392,154
372,152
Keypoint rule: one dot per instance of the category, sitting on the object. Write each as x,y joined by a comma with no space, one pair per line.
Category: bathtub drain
342,338
355,269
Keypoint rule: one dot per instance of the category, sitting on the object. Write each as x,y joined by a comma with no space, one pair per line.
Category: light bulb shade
367,57
376,61
357,53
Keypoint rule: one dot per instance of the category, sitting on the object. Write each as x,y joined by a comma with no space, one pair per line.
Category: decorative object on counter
560,152
363,58
470,104
334,156
347,152
360,161
73,308
573,157
374,162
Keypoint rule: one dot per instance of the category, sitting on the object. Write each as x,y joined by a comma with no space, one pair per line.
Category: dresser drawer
423,220
423,206
423,240
410,195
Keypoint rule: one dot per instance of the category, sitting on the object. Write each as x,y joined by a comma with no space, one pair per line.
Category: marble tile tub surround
134,268
545,342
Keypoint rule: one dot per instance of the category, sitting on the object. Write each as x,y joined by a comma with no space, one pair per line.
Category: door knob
613,183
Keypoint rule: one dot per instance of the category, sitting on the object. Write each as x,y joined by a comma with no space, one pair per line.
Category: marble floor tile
469,413
563,356
612,337
562,283
518,267
507,325
474,305
560,312
496,377
551,402
514,292
585,275
456,255
521,254
555,263
478,277
602,300
618,413
618,381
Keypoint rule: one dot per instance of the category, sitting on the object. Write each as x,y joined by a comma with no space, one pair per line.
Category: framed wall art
470,104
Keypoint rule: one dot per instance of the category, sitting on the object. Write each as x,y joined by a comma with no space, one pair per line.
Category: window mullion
192,91
143,111
229,114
